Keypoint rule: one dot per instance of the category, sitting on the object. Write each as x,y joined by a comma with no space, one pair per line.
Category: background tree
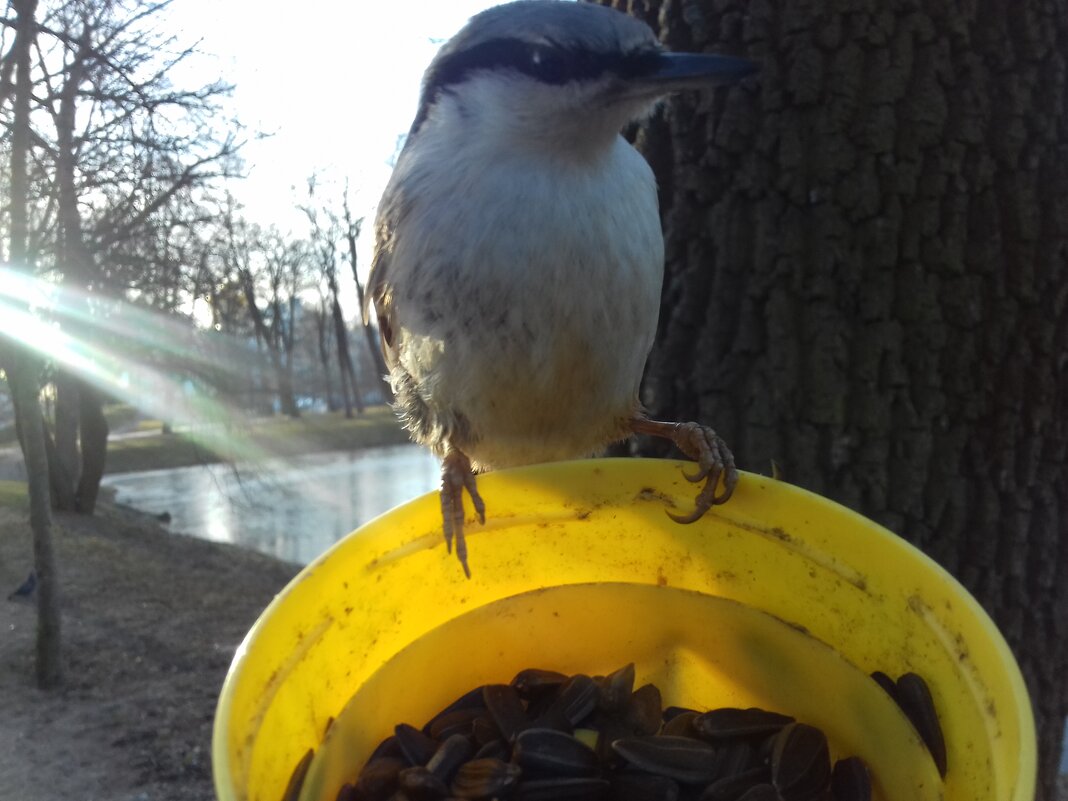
323,241
122,147
867,279
320,315
269,267
22,366
374,347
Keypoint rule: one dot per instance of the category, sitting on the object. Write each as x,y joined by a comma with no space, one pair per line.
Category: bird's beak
676,71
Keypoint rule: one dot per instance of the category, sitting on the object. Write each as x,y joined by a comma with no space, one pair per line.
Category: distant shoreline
241,440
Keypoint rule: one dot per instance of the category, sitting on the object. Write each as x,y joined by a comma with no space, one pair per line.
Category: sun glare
166,367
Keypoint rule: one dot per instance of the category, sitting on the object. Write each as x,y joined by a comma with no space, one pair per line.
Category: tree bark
80,454
867,280
352,232
324,359
66,466
269,336
22,371
344,358
94,428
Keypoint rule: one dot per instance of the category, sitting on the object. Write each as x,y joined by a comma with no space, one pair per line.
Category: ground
150,623
150,620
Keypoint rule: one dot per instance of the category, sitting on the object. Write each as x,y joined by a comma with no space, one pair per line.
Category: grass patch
120,415
261,439
13,495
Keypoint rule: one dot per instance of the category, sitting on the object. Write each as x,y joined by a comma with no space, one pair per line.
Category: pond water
293,508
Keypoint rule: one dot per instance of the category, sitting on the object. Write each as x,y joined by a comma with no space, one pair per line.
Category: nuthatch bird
518,252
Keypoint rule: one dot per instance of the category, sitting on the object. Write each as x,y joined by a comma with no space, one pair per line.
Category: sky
334,82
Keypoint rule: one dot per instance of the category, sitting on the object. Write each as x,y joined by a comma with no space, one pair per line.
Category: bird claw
696,476
713,457
456,476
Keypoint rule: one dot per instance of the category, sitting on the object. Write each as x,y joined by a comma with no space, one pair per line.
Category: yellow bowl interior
779,599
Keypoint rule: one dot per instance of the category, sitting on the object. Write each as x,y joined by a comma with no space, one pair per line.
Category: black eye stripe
553,64
548,63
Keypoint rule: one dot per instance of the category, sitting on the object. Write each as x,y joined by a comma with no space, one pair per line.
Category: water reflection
291,508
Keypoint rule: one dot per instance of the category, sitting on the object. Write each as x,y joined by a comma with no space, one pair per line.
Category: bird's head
561,74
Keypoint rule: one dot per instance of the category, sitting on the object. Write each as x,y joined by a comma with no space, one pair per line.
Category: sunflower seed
416,746
532,681
886,683
472,699
800,761
452,753
850,780
420,784
484,730
674,711
484,778
736,757
914,697
571,789
730,788
506,709
378,779
645,710
574,701
615,689
680,725
494,748
680,758
296,779
628,786
456,721
388,747
553,753
730,723
761,792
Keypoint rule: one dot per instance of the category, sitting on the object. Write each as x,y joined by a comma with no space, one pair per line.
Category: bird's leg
704,446
456,476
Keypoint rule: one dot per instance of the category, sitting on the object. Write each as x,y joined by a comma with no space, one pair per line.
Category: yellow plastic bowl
779,599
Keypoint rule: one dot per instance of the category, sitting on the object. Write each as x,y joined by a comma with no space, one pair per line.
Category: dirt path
150,625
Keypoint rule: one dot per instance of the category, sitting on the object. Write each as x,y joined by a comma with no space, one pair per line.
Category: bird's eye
548,64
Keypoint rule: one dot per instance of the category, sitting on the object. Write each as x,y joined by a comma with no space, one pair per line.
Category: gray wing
379,291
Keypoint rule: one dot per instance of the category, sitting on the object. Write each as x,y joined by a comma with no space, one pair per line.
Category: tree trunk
324,360
66,466
94,427
286,397
369,333
867,262
77,473
283,371
344,358
22,370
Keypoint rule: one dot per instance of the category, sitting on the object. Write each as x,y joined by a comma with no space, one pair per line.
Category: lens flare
162,365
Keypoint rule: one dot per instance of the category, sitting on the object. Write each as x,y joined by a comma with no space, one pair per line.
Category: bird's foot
456,476
704,446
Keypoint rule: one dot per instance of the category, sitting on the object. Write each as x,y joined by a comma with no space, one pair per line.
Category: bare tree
324,243
321,314
270,270
374,348
23,367
125,147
